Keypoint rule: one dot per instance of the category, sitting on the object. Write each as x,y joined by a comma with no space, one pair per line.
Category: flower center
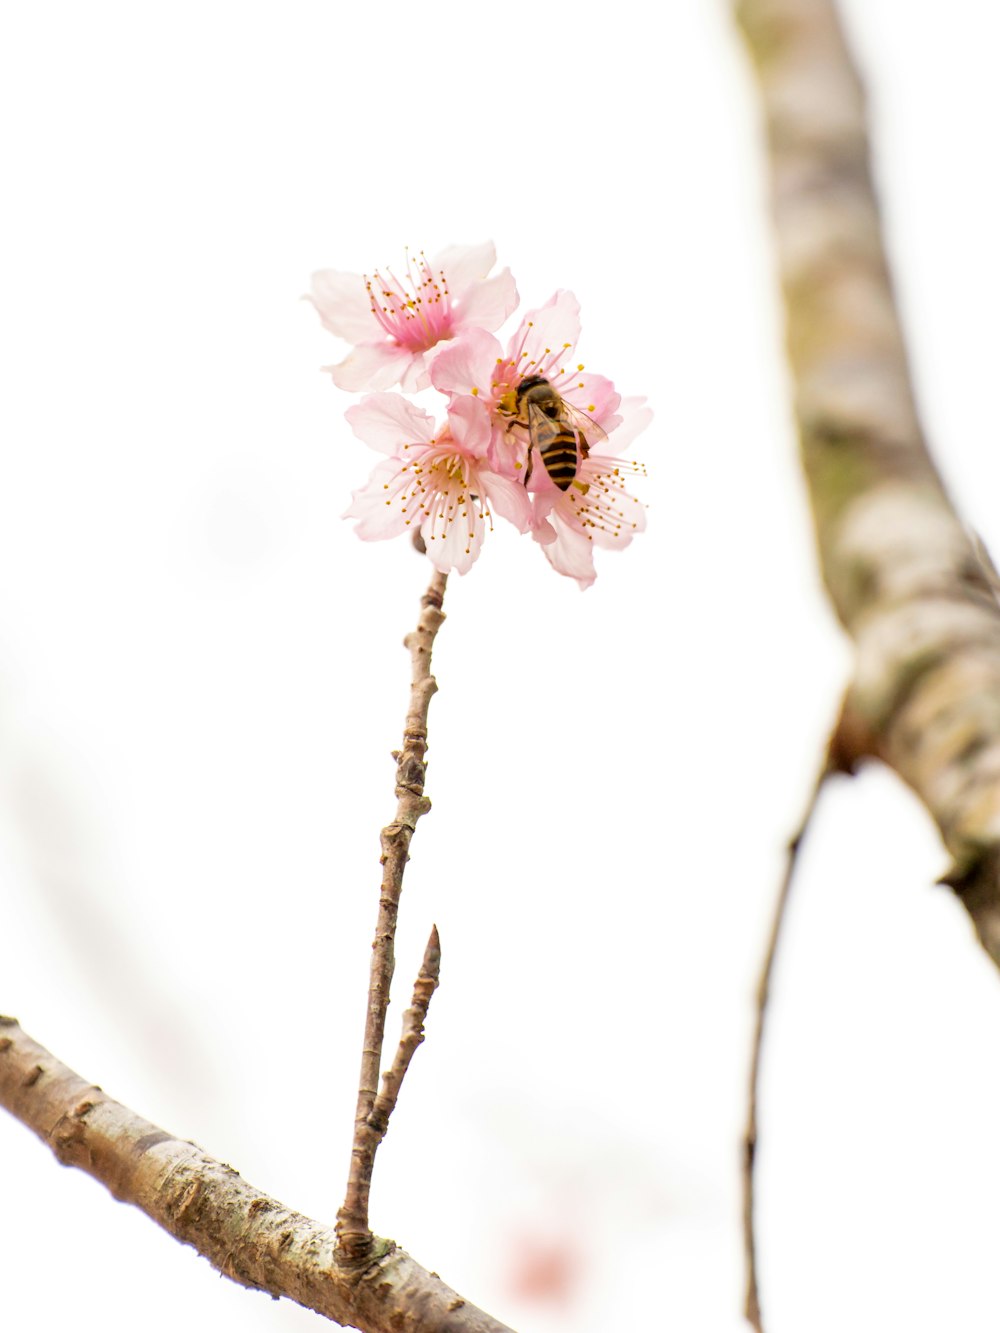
414,311
517,365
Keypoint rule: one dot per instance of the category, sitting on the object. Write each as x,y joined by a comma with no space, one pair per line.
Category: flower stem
354,1237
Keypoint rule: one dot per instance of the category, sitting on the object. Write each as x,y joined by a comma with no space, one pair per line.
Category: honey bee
559,432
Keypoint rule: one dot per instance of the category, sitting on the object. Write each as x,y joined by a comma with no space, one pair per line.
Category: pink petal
636,416
465,366
387,421
456,549
507,498
470,425
343,305
571,554
453,527
463,266
593,394
374,505
507,454
416,376
541,507
371,366
634,521
487,304
548,333
612,515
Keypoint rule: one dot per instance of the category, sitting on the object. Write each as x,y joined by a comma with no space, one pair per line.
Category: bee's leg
582,486
511,434
529,465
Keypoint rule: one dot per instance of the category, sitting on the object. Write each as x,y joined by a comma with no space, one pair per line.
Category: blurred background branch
899,565
913,590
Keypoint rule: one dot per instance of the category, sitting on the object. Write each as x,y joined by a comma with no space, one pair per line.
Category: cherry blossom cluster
433,327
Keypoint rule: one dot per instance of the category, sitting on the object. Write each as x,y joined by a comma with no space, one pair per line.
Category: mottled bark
903,575
246,1235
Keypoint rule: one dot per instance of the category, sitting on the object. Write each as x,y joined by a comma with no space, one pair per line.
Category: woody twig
354,1237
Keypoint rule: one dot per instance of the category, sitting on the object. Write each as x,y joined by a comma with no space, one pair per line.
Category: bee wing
587,430
539,422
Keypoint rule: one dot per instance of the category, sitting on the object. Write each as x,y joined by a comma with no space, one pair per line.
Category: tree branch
354,1237
898,563
752,1303
246,1235
412,1035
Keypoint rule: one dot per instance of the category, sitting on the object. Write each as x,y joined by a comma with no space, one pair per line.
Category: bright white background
201,675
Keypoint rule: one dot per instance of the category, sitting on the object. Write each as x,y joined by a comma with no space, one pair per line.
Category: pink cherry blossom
436,479
544,345
596,509
396,322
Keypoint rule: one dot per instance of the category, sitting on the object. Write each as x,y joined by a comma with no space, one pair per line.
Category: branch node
852,741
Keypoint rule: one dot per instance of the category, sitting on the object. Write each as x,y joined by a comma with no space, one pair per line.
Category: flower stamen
415,311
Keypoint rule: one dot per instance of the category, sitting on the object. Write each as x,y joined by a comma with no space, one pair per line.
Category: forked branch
354,1238
411,1037
346,1273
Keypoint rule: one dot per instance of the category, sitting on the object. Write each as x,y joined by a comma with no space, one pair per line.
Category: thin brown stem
354,1237
752,1306
412,1035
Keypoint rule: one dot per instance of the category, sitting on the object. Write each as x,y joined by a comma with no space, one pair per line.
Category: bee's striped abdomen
552,430
559,453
